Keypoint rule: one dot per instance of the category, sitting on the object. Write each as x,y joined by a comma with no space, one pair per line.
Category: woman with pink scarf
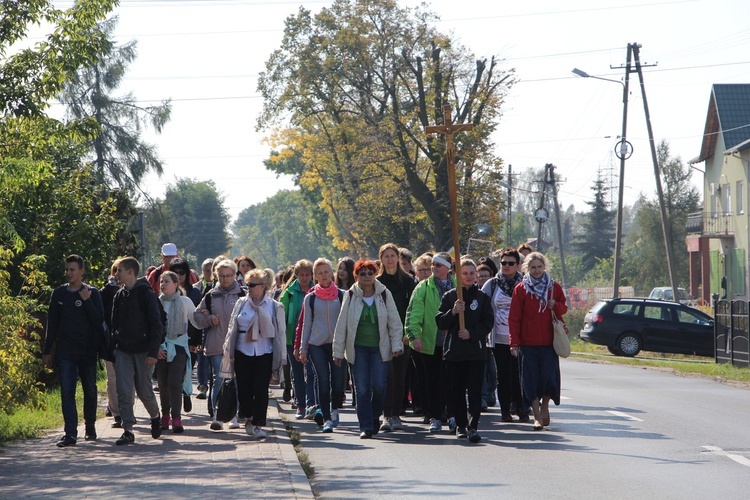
254,348
321,311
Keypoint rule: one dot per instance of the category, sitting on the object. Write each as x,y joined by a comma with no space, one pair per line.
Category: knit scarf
262,325
507,284
443,285
539,288
329,293
176,324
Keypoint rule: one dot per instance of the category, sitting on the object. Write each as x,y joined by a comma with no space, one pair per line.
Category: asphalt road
620,432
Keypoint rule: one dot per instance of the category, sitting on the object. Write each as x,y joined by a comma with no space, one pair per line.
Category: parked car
665,293
628,326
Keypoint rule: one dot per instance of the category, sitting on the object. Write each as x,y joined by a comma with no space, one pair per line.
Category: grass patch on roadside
30,422
304,458
680,363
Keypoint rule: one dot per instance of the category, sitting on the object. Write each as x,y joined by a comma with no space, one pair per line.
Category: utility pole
541,213
559,226
666,231
509,229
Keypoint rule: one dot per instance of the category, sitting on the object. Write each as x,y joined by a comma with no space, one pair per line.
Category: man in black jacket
74,325
138,331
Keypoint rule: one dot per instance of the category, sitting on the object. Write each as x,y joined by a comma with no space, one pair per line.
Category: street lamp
623,152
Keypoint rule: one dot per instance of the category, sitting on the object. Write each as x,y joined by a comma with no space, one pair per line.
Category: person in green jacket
425,338
292,297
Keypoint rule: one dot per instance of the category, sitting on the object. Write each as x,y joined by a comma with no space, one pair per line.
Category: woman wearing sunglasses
500,289
254,348
368,335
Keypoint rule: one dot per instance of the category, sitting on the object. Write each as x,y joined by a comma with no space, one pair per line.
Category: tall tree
359,82
118,151
596,241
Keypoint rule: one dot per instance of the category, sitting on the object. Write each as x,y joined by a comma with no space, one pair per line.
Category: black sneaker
126,438
187,403
117,424
90,434
155,427
66,441
473,436
287,394
461,432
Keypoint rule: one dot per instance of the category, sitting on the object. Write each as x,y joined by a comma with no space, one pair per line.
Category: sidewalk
199,463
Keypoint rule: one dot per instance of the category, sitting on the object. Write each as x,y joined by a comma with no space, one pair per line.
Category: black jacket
136,320
400,290
73,324
478,318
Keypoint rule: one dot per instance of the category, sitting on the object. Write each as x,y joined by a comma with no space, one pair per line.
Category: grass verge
679,363
29,422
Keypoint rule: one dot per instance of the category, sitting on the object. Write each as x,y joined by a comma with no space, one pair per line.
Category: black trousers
253,376
466,377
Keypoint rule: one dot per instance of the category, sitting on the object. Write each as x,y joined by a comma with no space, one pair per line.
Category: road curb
299,480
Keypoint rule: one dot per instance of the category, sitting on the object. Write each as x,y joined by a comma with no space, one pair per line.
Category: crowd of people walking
438,337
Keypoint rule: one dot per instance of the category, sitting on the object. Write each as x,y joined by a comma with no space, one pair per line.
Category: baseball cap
169,250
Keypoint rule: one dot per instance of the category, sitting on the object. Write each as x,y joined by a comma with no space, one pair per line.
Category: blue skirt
540,373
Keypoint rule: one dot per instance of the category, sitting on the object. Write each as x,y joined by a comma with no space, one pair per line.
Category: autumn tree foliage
349,94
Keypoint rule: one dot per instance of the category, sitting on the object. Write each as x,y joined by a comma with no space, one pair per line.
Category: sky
206,56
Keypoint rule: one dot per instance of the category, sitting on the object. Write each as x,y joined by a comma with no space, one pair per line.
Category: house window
740,194
726,190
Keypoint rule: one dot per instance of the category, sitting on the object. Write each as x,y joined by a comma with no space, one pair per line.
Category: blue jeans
311,396
329,378
298,378
69,367
370,374
202,370
215,364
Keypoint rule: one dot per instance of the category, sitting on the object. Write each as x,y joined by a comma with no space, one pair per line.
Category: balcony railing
710,223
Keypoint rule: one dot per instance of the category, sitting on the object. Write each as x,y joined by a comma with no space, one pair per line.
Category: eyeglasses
424,270
506,263
367,273
253,285
226,276
180,272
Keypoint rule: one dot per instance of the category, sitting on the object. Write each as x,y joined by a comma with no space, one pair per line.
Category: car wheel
629,345
613,350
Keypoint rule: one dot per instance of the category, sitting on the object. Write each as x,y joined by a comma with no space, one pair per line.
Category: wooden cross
449,128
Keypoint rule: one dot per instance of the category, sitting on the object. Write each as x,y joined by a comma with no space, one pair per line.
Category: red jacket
528,326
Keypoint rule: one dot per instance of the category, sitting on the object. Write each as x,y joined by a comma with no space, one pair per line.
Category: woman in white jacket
254,348
368,335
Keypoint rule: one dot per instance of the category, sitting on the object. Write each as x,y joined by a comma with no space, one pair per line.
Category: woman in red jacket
531,336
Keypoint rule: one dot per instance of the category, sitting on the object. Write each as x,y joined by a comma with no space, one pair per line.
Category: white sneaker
255,432
234,424
216,425
396,424
386,426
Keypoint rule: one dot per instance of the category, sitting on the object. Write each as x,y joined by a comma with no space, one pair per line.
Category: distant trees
280,231
193,216
358,83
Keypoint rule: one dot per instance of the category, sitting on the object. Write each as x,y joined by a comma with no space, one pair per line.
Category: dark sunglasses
367,273
506,263
180,272
253,285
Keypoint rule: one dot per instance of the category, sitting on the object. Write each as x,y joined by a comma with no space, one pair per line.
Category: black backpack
143,298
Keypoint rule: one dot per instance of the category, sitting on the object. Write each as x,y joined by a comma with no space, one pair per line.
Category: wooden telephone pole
448,129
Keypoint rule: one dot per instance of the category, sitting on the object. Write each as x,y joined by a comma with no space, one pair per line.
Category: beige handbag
561,342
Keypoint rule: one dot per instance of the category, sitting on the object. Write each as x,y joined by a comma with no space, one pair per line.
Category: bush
19,342
574,319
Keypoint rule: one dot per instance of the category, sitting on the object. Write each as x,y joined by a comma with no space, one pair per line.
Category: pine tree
119,154
597,239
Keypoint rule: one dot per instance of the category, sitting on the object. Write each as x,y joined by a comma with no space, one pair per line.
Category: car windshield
680,291
598,307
